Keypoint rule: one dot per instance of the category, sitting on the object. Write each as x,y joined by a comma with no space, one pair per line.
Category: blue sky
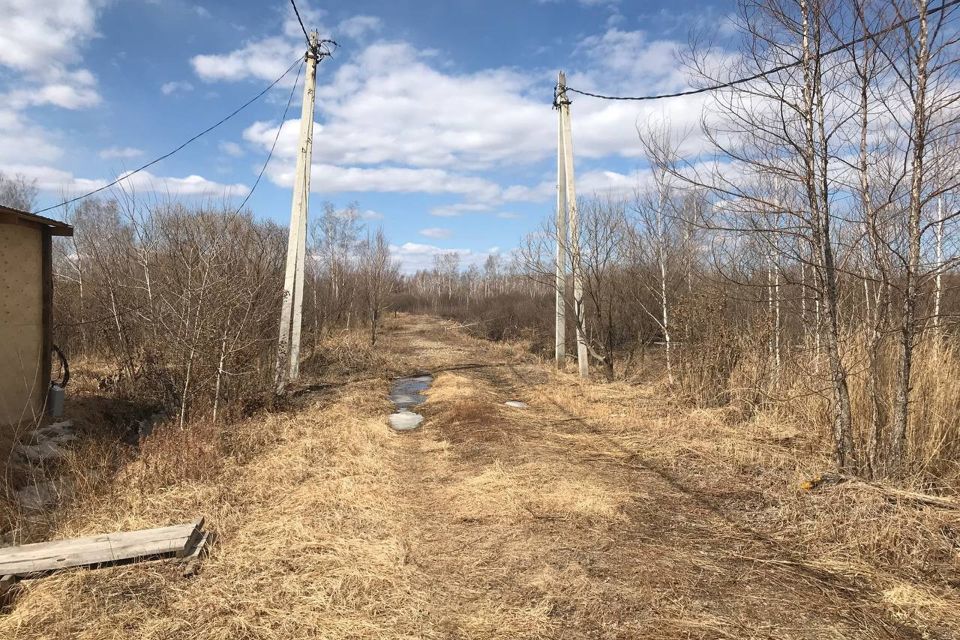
435,117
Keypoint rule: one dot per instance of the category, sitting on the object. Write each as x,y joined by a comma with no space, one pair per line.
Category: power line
294,4
777,69
170,153
283,120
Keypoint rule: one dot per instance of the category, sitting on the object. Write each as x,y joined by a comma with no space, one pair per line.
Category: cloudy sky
433,116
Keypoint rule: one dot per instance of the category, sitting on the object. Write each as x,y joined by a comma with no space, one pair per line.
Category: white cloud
33,37
51,179
68,89
24,142
312,18
120,152
359,26
458,209
604,182
414,256
41,44
393,119
541,192
327,178
63,182
231,149
445,119
390,120
175,86
631,63
263,59
437,233
339,175
39,50
192,185
473,120
66,96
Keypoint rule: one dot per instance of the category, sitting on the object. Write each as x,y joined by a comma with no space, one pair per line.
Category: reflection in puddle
406,393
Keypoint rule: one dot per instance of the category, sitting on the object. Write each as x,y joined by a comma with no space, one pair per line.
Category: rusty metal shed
26,312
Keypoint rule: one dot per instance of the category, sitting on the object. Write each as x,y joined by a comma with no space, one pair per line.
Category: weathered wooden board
192,560
93,551
7,584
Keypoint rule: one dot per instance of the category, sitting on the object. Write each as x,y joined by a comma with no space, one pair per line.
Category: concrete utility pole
561,282
565,152
291,316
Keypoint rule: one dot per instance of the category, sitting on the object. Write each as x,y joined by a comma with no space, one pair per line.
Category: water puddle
407,393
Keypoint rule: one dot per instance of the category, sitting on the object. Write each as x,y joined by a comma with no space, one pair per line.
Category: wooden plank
143,535
192,560
197,536
8,586
6,583
113,550
93,551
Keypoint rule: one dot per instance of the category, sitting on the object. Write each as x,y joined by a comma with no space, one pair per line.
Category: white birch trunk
938,282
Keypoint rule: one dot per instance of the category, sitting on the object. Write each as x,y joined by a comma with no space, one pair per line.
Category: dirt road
567,519
536,523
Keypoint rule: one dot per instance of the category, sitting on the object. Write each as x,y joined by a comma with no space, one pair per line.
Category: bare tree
379,272
17,192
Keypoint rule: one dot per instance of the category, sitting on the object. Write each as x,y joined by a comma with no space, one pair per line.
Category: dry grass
751,469
345,354
602,511
800,394
308,541
467,410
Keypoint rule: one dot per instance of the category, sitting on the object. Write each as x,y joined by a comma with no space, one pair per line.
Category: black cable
167,155
64,366
783,67
300,21
283,120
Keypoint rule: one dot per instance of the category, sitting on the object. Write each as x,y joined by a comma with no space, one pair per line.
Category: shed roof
9,215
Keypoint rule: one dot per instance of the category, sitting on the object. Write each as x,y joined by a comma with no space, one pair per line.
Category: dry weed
603,510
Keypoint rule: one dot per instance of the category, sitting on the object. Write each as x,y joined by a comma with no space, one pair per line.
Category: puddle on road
406,393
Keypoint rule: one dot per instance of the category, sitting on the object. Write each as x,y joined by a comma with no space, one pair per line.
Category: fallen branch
890,493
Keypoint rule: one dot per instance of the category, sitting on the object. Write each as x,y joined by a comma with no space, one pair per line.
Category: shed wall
22,376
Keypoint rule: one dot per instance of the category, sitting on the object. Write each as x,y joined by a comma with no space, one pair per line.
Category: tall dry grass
935,416
736,369
114,454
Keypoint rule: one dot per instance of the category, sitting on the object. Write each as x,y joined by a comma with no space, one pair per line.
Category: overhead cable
283,120
732,83
170,153
305,35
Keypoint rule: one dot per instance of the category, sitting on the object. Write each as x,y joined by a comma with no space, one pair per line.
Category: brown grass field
601,511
